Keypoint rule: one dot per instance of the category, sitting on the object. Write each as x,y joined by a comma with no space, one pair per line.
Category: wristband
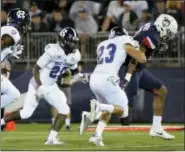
128,77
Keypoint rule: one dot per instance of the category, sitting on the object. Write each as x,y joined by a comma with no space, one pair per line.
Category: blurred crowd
93,16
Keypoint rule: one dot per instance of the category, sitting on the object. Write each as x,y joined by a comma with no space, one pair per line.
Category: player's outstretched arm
137,55
36,74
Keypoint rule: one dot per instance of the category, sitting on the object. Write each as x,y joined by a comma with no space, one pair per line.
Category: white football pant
9,93
53,95
106,89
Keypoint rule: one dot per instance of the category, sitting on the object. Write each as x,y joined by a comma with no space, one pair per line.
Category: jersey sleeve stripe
147,41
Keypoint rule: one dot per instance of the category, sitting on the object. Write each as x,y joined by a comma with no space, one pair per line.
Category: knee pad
25,114
63,109
17,94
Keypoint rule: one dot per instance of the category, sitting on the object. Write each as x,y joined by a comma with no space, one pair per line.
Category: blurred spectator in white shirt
34,10
127,18
138,6
93,8
85,24
115,9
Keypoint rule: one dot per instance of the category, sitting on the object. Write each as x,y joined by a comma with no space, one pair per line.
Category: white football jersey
12,32
111,54
54,61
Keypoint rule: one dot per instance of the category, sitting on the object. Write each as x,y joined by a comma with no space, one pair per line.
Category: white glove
17,50
137,46
12,51
84,78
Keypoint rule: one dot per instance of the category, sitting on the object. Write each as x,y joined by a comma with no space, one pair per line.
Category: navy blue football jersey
149,37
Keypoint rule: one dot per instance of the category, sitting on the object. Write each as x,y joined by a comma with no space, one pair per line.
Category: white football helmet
167,26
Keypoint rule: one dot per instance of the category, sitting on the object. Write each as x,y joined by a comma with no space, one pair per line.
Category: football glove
17,50
65,79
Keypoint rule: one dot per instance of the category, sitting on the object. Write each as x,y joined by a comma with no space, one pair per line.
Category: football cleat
93,110
85,122
54,142
162,134
68,128
97,141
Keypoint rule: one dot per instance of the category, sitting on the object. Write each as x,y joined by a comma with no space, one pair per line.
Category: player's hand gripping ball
65,80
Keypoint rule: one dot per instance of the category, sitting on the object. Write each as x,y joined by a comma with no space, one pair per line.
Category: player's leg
9,93
67,92
152,84
30,104
120,103
95,112
57,99
131,92
114,102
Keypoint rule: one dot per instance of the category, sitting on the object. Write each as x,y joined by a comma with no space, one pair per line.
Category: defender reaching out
104,81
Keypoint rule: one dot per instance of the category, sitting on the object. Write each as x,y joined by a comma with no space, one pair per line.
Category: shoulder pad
12,32
51,49
76,57
126,39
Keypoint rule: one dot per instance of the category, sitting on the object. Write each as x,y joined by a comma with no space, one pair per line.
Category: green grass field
32,137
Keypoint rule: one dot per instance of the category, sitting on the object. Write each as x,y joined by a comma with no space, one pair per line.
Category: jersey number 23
111,49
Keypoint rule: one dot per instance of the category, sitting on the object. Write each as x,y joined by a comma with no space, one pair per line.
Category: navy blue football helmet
68,39
20,19
117,31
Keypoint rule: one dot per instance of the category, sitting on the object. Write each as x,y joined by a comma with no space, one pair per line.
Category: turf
32,137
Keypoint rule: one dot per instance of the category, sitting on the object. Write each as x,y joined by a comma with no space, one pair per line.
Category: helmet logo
13,32
21,14
63,32
166,22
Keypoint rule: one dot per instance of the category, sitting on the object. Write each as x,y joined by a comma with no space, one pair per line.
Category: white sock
157,122
52,120
106,107
3,122
67,121
100,127
52,135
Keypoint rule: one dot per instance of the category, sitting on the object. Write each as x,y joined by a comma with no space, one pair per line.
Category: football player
18,24
152,38
65,83
55,60
104,81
